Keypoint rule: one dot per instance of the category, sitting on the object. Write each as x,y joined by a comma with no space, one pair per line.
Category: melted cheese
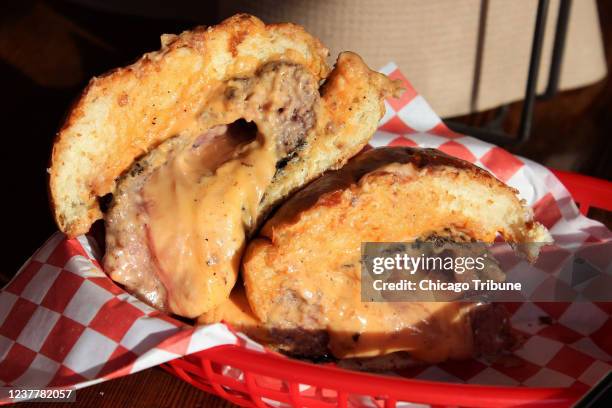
198,206
430,332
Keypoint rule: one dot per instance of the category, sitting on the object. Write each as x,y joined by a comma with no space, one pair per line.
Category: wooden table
149,388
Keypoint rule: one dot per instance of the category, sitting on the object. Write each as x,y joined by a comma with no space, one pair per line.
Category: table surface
149,388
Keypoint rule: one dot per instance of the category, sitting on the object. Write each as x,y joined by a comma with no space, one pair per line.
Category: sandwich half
302,272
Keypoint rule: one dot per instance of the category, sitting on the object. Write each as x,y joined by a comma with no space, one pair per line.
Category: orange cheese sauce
197,221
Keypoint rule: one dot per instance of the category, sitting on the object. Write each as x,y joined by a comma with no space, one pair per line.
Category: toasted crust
367,166
127,112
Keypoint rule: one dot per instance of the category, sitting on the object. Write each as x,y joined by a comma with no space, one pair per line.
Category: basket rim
274,365
589,191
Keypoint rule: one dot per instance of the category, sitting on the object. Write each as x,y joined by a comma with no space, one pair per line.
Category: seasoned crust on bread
406,165
127,112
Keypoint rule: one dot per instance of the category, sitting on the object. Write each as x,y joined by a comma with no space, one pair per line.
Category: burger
226,170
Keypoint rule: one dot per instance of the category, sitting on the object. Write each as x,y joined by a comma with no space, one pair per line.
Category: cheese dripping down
177,226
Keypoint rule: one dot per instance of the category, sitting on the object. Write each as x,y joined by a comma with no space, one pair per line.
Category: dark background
48,52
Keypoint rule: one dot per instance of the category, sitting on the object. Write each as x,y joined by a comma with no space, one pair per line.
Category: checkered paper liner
63,322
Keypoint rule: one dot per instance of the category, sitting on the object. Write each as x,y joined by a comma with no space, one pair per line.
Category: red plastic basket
253,379
587,191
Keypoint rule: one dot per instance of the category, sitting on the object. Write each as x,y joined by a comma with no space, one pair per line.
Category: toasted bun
126,113
302,272
447,190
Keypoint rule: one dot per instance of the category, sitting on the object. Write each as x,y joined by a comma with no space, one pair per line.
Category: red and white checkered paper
63,322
